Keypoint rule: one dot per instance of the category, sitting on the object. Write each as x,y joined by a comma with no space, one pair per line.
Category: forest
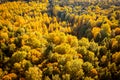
59,39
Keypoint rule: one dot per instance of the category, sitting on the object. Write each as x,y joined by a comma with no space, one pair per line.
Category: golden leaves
95,31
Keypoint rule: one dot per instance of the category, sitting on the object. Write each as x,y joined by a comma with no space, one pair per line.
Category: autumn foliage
59,40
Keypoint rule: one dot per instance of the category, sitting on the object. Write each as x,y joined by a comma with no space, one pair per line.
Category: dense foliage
59,40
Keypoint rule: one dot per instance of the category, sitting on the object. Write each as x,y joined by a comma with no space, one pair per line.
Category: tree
35,42
62,48
34,55
117,31
95,31
46,1
54,57
93,72
84,42
25,48
12,48
10,76
33,73
105,30
56,77
105,74
66,76
116,57
82,50
1,73
114,43
22,66
87,67
80,74
72,40
73,67
18,56
89,56
93,46
57,37
47,78
88,78
113,68
4,36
